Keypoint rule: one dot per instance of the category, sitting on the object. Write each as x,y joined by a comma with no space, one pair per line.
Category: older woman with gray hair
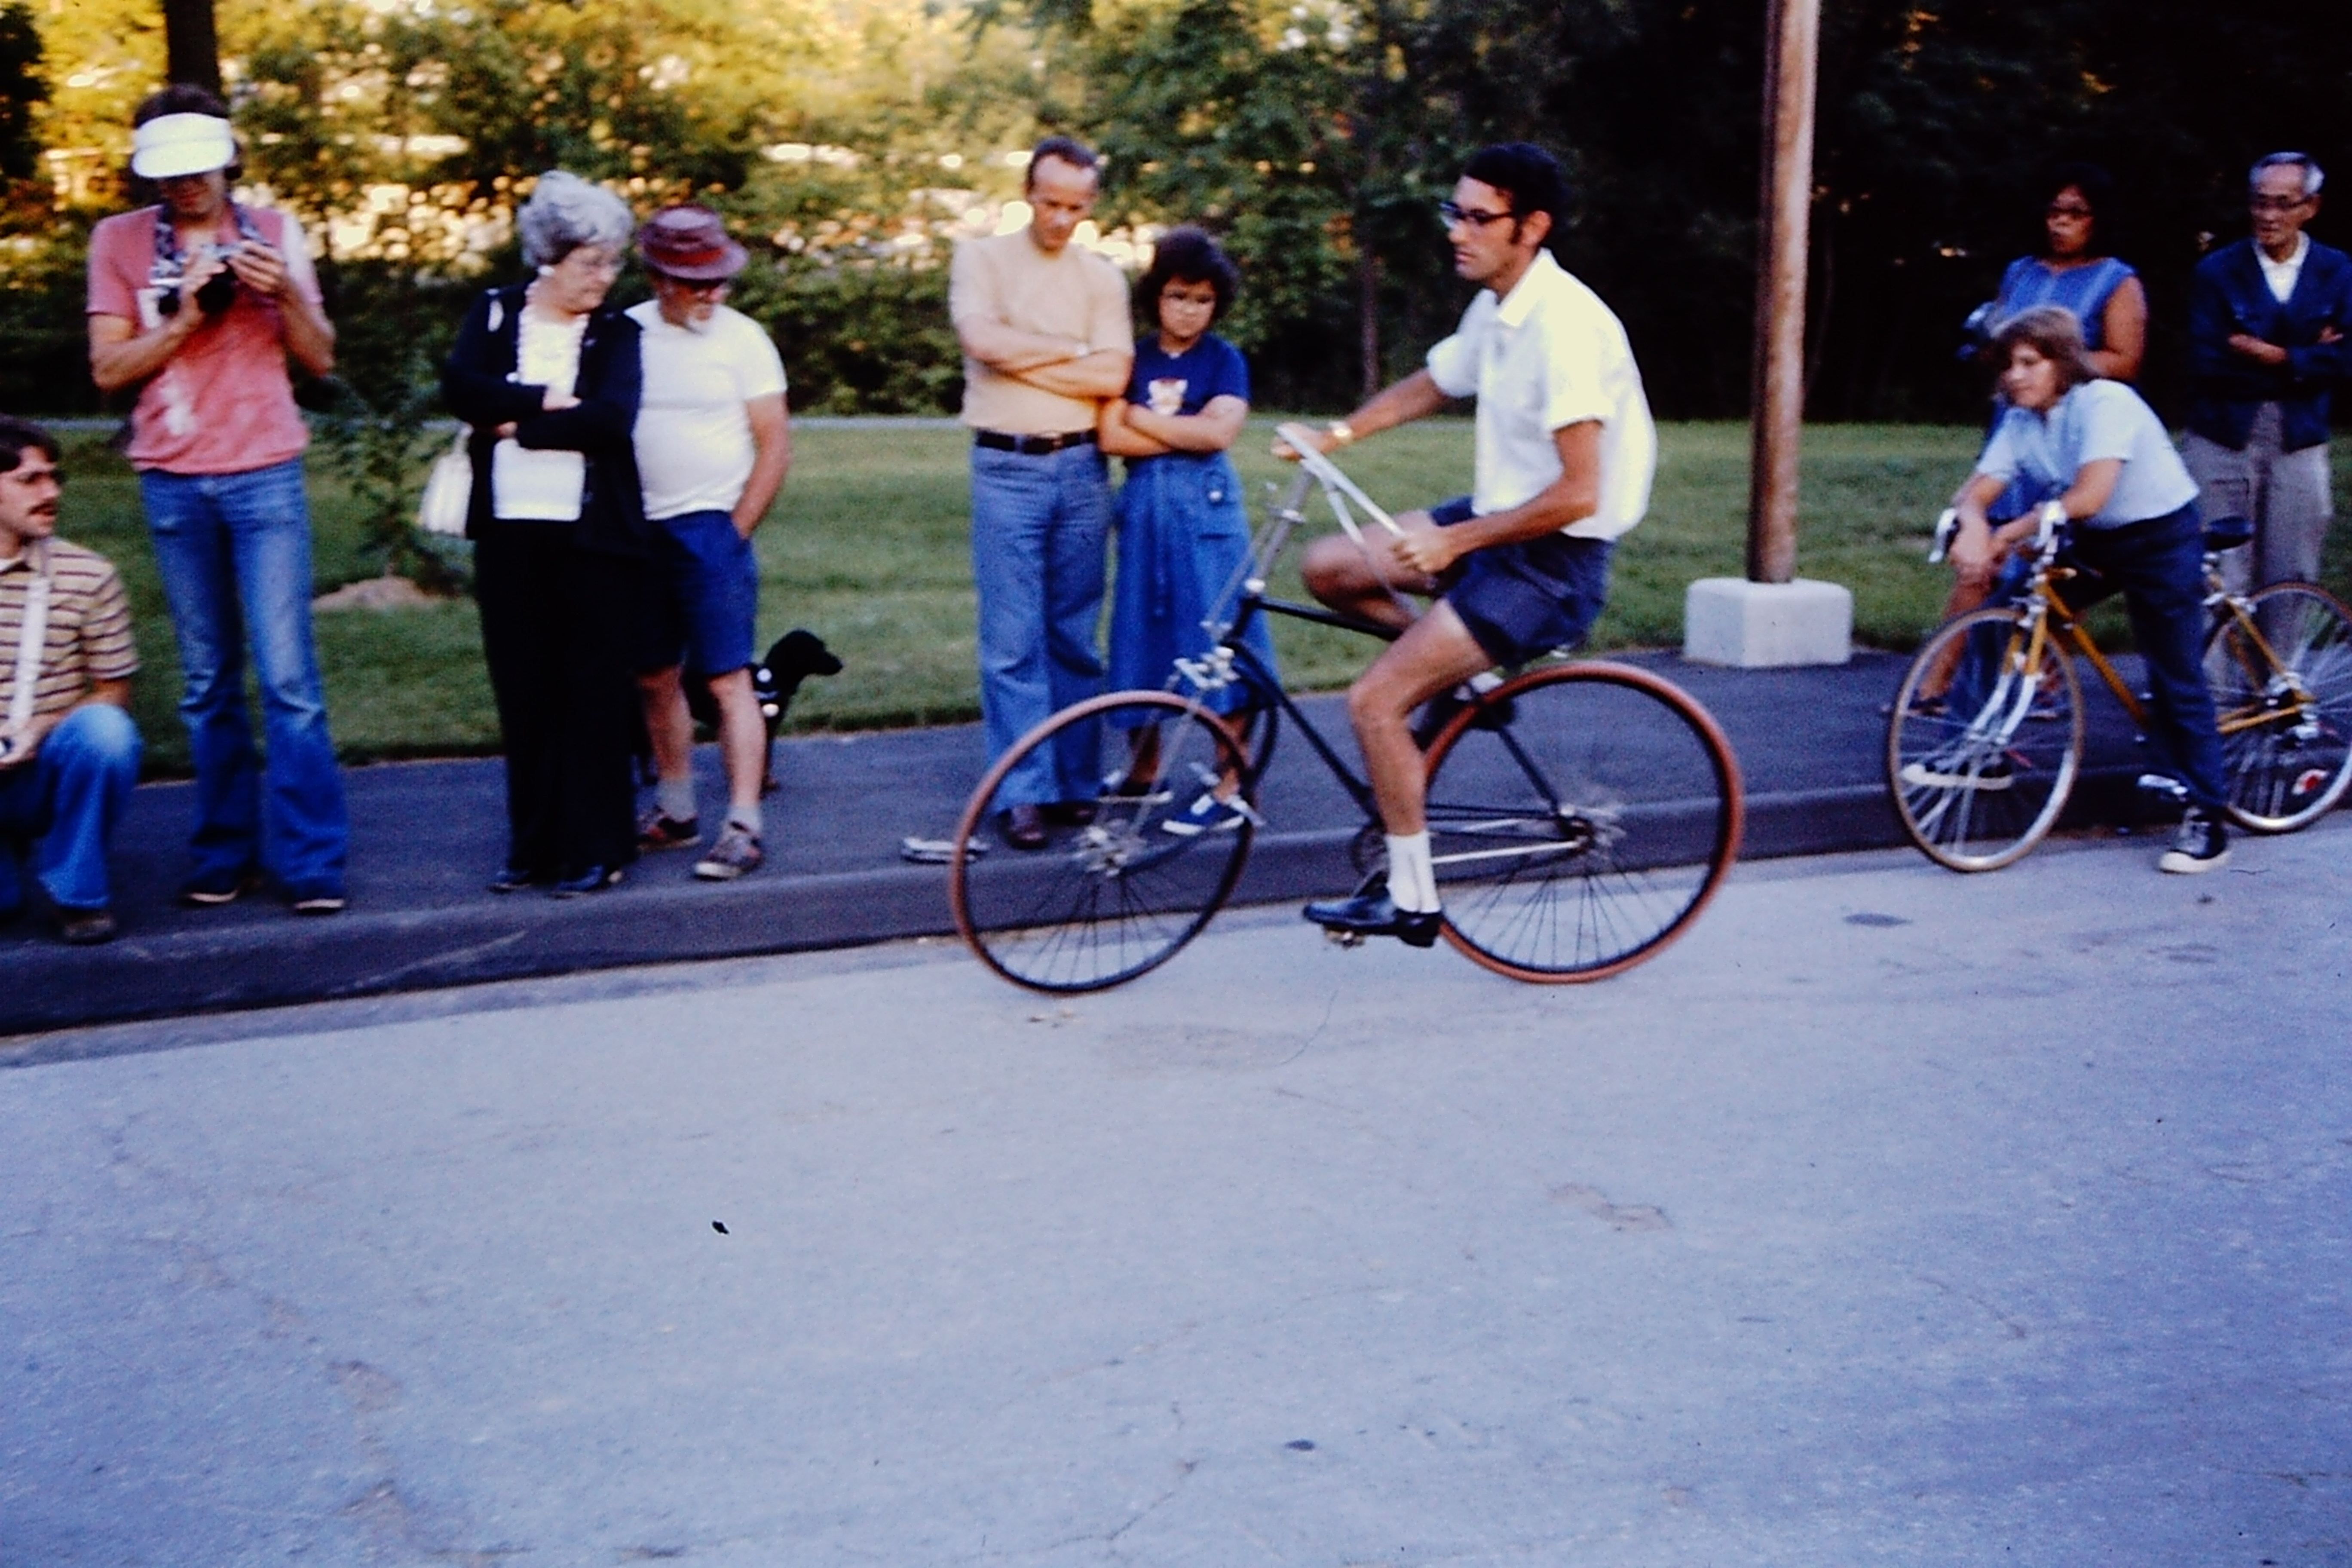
547,377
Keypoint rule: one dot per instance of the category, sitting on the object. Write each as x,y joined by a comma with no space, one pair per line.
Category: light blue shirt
2098,419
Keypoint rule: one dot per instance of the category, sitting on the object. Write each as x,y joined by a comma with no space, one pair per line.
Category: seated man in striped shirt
69,751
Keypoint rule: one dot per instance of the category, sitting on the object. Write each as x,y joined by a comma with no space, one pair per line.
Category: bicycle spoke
1586,834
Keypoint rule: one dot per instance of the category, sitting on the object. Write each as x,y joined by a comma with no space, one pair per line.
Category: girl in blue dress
1184,531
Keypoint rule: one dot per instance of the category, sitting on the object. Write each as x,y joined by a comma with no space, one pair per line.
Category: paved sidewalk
427,834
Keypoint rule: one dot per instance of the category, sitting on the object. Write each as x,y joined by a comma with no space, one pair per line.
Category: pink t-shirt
224,405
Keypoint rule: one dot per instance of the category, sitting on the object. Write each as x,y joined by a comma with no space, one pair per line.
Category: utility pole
1778,405
1771,617
191,44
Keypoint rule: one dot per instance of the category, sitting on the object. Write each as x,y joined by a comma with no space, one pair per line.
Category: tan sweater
1074,295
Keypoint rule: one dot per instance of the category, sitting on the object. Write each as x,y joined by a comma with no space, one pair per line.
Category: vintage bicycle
1581,815
1985,741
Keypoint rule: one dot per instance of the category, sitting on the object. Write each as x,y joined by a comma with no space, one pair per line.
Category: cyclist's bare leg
1436,654
1344,576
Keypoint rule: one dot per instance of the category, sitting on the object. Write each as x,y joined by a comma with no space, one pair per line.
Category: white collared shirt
2282,275
1548,356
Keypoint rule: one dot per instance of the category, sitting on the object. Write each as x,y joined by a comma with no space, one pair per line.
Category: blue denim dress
1184,548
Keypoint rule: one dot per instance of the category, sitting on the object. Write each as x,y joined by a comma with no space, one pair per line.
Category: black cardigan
479,385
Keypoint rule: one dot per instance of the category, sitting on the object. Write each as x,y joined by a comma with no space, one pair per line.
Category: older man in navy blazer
2268,320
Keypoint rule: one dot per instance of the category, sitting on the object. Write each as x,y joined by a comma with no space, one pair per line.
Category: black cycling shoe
1374,914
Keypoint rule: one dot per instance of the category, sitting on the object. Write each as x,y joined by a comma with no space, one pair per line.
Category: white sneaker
1993,776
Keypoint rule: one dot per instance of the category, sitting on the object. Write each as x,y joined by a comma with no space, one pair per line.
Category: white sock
677,798
1412,880
746,818
1486,680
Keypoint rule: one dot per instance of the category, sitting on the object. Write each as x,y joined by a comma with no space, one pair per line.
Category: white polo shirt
1550,355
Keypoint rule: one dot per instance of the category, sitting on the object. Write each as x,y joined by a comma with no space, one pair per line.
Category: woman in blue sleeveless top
2103,294
1184,531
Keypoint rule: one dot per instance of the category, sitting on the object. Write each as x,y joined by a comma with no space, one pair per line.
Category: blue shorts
1521,601
707,598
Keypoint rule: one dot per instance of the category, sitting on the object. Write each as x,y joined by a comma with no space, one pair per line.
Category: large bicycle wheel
1109,898
2282,696
1586,831
1981,768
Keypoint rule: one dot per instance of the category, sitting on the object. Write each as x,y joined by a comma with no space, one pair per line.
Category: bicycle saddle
2229,532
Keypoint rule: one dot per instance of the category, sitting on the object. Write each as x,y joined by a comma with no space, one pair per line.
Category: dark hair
15,435
2098,186
2056,334
1066,149
181,97
1529,177
1187,255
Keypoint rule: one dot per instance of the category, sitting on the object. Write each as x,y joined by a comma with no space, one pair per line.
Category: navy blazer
2230,295
478,384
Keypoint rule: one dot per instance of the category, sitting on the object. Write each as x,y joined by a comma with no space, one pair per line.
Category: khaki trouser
2285,494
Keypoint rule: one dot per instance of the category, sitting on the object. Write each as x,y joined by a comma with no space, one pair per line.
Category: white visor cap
171,145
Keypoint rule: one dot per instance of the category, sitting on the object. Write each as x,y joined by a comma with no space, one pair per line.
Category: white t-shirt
1548,356
2098,419
694,432
541,486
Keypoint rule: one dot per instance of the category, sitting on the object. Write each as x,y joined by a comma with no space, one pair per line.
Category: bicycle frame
2044,605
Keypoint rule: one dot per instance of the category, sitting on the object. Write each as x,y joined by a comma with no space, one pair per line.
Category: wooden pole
191,46
1777,404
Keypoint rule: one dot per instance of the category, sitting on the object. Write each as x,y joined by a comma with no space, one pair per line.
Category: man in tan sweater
1046,341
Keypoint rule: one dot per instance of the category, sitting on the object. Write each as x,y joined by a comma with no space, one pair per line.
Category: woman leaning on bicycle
2092,449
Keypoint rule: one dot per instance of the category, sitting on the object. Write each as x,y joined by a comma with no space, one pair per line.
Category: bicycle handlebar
1314,463
2050,520
1946,526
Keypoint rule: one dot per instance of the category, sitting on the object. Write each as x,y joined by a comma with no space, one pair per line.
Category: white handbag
448,490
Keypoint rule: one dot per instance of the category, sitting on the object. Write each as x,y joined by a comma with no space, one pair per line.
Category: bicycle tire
2285,720
1581,835
1979,780
1109,900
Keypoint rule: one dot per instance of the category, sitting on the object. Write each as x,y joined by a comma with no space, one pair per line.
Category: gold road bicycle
1985,740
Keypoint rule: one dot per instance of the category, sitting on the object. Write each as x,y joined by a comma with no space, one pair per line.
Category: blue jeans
1039,531
2158,566
235,553
66,801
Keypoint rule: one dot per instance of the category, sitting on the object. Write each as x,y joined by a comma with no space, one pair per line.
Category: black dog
775,681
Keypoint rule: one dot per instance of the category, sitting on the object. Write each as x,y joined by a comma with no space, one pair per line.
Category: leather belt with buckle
1030,445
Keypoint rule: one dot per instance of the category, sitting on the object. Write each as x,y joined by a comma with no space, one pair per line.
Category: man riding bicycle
1566,451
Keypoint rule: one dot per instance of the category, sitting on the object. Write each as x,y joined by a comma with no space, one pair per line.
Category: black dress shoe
1022,827
595,880
1069,813
1373,914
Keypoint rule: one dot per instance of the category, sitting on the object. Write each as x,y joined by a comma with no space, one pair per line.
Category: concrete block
1766,626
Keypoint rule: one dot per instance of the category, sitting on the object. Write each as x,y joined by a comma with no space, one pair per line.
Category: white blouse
541,486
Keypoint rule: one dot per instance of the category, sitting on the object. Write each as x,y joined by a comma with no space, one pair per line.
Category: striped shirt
89,625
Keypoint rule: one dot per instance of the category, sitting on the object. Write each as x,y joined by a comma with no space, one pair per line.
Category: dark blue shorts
1521,601
708,598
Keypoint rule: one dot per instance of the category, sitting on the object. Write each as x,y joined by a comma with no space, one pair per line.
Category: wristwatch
1340,432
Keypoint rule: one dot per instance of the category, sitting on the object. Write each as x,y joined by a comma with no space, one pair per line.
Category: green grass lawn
867,548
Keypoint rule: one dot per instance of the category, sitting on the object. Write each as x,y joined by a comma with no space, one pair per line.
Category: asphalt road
1894,1217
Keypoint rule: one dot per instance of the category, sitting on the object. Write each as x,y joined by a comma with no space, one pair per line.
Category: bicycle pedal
2165,785
1338,936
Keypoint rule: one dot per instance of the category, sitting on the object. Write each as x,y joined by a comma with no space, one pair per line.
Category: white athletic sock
1486,680
677,798
746,818
1412,880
